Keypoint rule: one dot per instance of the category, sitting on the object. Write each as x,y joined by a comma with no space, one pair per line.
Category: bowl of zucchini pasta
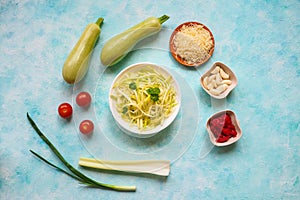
144,99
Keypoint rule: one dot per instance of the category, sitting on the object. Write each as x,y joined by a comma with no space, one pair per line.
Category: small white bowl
234,121
132,129
232,78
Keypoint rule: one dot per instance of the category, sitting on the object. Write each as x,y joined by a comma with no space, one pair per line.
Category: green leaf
156,90
154,93
125,109
154,97
132,85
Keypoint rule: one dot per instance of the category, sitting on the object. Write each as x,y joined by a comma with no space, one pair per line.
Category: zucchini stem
163,18
99,21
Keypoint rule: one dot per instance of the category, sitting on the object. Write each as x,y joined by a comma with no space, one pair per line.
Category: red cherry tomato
65,110
83,99
86,127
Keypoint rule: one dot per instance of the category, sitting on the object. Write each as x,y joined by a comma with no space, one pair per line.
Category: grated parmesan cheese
193,43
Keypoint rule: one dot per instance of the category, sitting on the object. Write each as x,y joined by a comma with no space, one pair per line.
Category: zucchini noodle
144,98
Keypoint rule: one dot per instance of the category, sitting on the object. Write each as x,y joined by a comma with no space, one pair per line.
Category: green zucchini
120,45
77,62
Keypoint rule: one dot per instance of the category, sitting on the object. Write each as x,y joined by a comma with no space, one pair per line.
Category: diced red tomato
223,138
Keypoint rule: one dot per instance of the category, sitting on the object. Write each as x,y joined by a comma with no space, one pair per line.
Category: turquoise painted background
259,40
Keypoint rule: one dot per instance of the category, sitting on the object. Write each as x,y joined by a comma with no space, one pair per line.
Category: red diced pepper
227,132
216,131
214,122
217,126
227,119
230,126
222,138
233,133
221,123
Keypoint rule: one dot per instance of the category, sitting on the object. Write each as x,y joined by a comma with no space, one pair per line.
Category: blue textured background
259,40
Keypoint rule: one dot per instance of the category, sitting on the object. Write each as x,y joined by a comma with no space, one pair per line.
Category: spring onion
144,98
155,167
76,174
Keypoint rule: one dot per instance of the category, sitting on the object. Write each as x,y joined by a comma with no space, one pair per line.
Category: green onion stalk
74,173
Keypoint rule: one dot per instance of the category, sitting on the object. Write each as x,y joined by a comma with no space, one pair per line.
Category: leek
155,167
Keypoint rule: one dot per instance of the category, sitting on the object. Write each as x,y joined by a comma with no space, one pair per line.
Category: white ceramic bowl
132,129
227,70
234,121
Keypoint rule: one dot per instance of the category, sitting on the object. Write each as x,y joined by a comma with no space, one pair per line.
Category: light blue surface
259,40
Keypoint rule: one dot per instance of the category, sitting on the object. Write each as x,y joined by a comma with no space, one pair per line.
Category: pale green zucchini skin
77,62
120,45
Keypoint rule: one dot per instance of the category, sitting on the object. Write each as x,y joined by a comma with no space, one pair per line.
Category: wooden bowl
173,47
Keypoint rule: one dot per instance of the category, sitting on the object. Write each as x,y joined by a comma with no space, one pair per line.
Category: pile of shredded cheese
193,43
